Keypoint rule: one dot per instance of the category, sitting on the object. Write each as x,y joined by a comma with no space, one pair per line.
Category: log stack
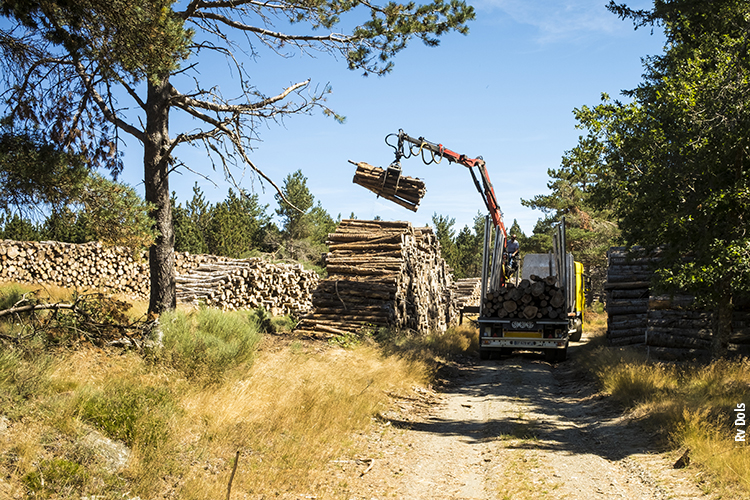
391,185
214,281
677,330
468,292
533,298
381,274
85,266
628,288
232,284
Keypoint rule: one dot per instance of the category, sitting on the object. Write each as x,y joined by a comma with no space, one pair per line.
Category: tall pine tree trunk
156,171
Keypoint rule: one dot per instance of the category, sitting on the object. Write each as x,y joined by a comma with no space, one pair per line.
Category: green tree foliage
445,235
469,248
591,230
237,225
305,224
295,201
36,175
39,181
234,227
71,65
676,158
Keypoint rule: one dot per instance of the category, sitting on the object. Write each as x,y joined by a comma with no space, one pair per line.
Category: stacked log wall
627,290
215,281
468,292
383,274
671,326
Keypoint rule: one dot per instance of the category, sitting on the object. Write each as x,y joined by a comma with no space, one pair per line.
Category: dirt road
514,428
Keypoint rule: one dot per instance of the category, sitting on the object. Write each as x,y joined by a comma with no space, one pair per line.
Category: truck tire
576,336
484,354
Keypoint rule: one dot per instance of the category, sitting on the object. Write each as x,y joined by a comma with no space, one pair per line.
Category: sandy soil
513,428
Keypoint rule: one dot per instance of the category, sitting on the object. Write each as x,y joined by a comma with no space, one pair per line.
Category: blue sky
505,92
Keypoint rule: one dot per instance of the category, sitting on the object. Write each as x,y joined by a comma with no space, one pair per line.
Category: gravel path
514,428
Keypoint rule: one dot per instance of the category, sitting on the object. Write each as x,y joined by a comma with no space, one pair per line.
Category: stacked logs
533,298
467,292
232,284
208,279
676,330
390,184
86,266
627,288
381,274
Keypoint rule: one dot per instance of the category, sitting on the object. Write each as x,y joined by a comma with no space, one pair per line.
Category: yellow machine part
580,290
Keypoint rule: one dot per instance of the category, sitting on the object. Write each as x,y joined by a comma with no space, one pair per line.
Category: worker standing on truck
511,249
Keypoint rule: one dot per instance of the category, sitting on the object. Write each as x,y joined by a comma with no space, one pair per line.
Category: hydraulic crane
420,146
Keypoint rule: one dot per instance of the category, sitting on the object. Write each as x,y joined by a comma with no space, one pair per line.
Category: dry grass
289,411
688,405
525,477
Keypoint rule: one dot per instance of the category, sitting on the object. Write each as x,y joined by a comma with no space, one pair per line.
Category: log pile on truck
382,274
533,298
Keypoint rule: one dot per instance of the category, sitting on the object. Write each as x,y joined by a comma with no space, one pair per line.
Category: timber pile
232,284
400,189
533,298
216,281
675,330
467,292
382,274
86,266
628,288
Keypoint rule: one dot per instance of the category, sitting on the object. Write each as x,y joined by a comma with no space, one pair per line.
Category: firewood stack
391,185
216,281
381,274
628,287
468,292
232,284
533,298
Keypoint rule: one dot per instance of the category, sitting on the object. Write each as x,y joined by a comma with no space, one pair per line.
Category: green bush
129,411
206,344
57,476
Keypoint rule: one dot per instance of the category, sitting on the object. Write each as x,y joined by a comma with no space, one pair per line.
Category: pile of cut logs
532,298
390,184
676,330
381,273
232,284
215,281
628,288
467,292
86,266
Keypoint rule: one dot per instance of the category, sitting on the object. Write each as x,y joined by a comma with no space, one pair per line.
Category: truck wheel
505,351
576,336
484,354
562,355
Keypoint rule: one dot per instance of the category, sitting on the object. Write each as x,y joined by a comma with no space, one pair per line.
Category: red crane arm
485,187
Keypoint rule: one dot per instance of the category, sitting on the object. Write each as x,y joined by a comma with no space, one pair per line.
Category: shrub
206,344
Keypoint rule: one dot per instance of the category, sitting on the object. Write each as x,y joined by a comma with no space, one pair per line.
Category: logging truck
541,313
